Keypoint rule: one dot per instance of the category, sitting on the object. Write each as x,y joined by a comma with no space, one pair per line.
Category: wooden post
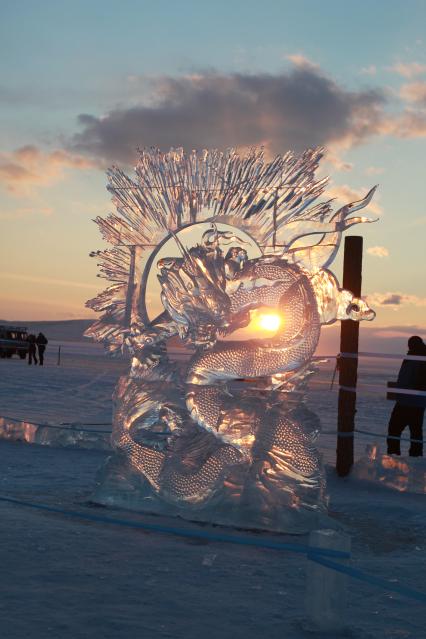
348,366
58,363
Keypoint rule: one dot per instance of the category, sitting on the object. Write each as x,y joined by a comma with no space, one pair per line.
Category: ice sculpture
225,436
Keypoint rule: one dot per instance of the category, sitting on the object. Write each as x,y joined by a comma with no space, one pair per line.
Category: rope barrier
182,532
355,573
402,439
377,388
368,354
392,390
75,426
418,358
86,424
370,434
316,554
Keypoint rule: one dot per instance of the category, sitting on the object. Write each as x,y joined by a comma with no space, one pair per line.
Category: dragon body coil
226,442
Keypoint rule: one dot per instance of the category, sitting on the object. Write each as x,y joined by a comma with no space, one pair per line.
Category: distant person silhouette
409,409
32,349
41,342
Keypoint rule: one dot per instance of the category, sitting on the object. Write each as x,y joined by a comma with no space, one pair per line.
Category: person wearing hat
409,409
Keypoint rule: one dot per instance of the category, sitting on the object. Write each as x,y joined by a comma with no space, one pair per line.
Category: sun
268,321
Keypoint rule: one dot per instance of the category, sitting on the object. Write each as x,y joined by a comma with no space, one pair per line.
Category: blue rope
316,554
370,579
402,439
181,532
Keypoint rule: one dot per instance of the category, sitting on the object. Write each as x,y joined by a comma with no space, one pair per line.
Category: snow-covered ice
70,579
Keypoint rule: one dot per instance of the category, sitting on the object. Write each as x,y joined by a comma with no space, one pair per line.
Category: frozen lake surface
70,579
80,389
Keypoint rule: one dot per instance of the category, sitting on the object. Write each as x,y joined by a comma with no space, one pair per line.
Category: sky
82,84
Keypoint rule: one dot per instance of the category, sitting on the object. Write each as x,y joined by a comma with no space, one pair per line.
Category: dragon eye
354,308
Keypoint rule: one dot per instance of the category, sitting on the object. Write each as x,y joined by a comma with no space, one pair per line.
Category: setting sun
268,321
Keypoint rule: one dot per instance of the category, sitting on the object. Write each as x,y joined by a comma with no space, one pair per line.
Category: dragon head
335,303
354,308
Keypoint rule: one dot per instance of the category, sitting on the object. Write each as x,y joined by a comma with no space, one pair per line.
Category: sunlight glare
269,321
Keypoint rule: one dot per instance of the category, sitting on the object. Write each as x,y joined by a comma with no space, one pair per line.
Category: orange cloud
374,170
300,60
414,92
408,69
395,299
378,251
337,162
29,167
410,124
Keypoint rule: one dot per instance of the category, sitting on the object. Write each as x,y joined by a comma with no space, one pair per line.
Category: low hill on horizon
57,330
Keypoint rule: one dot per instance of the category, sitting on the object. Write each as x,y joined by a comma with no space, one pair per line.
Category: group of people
410,407
36,344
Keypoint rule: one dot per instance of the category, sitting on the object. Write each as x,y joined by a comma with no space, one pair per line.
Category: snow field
71,579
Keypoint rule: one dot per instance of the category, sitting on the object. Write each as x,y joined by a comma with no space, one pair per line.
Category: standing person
409,410
41,342
32,349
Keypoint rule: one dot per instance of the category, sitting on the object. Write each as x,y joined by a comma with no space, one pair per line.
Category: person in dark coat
41,342
409,409
32,349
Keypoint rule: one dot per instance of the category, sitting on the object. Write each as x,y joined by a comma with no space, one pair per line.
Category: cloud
395,299
294,110
374,338
12,97
410,123
25,211
48,280
370,70
344,194
374,170
417,221
396,332
300,60
337,162
378,251
29,167
414,92
408,69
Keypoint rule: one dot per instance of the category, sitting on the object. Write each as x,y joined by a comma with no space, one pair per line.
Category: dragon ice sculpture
225,436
